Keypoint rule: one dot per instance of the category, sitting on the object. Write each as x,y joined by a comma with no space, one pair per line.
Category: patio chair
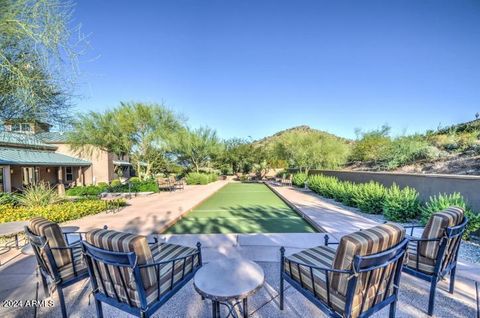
133,275
286,181
177,184
60,264
357,279
434,255
165,184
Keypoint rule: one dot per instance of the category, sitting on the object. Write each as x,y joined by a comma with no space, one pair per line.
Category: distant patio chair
434,255
286,181
133,275
177,184
165,184
357,279
60,264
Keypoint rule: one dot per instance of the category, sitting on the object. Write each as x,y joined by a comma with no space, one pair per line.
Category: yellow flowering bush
59,212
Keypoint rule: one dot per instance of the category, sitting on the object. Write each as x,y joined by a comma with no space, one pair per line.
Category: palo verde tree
196,148
141,131
311,149
38,59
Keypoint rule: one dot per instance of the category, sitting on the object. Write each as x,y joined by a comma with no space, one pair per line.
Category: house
30,153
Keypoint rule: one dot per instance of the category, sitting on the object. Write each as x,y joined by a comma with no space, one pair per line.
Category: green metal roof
31,157
53,136
24,140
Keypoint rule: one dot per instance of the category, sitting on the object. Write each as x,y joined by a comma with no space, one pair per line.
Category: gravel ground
469,250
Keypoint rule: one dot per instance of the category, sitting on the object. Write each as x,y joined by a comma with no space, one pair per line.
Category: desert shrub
8,198
299,179
372,146
401,205
443,201
144,186
59,212
406,150
134,180
369,197
90,190
102,185
115,183
200,178
39,195
455,142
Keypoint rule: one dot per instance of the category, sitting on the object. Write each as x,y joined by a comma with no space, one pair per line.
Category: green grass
242,208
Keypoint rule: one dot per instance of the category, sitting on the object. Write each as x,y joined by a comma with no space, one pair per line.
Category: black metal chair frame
443,265
51,273
96,257
361,264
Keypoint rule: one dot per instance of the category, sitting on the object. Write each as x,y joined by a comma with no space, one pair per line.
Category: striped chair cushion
54,236
322,256
436,227
426,265
68,271
164,252
123,242
371,241
161,252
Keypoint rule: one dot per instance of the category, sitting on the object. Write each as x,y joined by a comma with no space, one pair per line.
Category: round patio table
12,228
229,282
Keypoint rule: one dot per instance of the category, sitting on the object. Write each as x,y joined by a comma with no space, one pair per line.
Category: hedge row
59,212
200,178
396,204
134,185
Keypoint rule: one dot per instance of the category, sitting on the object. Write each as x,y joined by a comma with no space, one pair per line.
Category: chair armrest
415,239
170,260
325,269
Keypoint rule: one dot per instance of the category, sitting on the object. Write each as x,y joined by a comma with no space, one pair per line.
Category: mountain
301,128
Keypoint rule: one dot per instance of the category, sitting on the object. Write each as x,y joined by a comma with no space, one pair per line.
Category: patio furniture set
358,278
171,183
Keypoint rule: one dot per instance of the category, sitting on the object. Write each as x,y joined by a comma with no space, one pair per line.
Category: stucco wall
101,170
426,184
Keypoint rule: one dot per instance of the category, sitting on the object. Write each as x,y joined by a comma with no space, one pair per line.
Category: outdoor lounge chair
133,275
286,181
357,279
60,264
434,255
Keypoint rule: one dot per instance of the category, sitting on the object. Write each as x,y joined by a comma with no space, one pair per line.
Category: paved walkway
163,208
150,214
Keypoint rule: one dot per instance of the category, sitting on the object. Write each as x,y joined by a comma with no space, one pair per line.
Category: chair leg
281,293
452,280
431,300
393,309
98,307
46,291
144,315
62,302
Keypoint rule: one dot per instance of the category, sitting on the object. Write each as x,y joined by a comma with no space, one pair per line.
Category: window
16,127
25,127
68,173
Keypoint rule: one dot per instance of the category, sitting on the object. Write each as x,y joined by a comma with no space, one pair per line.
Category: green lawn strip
242,208
225,225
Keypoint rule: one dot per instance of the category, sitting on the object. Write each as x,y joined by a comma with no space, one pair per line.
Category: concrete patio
19,281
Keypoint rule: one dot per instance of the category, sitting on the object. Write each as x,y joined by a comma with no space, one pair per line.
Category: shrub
144,186
115,183
401,205
89,190
39,195
8,198
134,180
406,150
200,178
443,201
102,185
59,212
299,179
369,197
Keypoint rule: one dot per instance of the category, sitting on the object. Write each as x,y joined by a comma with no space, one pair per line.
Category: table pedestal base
242,304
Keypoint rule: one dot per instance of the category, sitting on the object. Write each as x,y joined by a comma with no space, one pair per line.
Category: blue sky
251,68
